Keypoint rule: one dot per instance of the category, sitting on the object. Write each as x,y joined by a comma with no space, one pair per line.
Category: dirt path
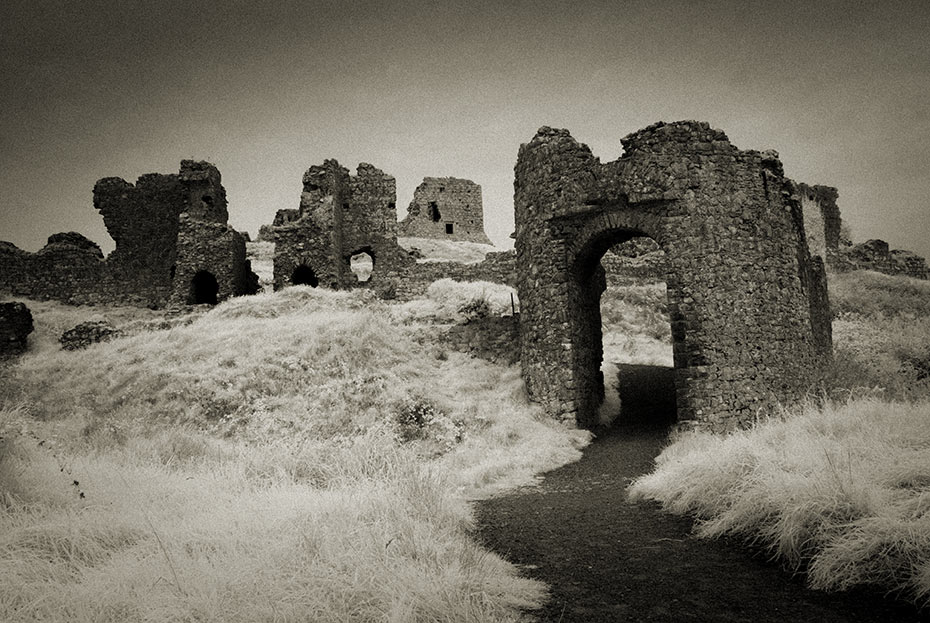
609,560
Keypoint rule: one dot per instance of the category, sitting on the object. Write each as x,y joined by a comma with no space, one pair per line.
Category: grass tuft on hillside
296,455
839,489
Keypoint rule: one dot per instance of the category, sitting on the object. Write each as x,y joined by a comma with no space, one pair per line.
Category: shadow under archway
647,398
204,288
303,275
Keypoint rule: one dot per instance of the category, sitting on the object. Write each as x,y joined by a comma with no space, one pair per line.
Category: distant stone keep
341,216
172,246
448,208
747,299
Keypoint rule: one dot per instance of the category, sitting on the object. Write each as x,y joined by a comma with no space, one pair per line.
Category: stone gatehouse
747,301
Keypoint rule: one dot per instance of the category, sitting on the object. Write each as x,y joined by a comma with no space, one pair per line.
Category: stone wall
412,279
638,260
155,256
876,255
747,302
448,208
822,222
496,339
340,215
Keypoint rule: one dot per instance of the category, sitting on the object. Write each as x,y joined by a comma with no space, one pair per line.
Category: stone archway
204,288
303,275
747,303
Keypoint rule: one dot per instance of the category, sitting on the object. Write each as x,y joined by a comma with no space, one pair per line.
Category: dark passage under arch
303,275
204,288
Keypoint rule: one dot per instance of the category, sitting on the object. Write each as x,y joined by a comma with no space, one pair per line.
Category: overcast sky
264,90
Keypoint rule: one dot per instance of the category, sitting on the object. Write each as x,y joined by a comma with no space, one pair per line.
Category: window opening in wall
442,189
173,270
449,228
434,212
303,275
204,289
362,264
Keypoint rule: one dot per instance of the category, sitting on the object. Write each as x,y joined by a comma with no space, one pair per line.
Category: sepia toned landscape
344,312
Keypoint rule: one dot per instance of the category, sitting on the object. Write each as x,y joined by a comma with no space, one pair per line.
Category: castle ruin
341,216
173,246
448,208
748,302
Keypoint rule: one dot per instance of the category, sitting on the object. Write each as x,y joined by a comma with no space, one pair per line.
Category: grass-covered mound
839,488
304,455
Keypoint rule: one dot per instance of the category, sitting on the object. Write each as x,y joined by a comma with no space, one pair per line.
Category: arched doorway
636,358
204,288
612,320
303,275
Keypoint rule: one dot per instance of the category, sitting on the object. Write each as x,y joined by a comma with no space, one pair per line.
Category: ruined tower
172,245
747,301
340,216
448,208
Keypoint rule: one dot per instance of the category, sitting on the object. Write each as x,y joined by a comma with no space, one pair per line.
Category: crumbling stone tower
172,240
340,216
448,208
747,303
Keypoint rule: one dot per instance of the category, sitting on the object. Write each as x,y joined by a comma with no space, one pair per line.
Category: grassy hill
310,454
299,455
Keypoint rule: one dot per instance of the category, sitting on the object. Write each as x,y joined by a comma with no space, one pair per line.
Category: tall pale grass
839,488
842,490
244,465
116,538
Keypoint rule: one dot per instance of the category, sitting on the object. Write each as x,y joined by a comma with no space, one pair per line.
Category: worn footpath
607,559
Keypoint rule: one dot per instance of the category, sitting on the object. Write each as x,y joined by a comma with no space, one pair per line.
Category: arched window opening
434,214
303,275
204,289
362,264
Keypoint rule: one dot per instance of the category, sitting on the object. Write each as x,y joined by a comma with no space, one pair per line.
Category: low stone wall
413,280
496,339
876,255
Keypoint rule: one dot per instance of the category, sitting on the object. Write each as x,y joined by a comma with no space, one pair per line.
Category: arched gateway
747,302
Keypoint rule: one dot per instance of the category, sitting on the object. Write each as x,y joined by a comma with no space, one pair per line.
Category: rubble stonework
340,216
446,207
167,229
87,333
747,302
822,222
876,255
15,327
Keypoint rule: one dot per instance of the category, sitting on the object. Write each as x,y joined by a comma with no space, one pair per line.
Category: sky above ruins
264,90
